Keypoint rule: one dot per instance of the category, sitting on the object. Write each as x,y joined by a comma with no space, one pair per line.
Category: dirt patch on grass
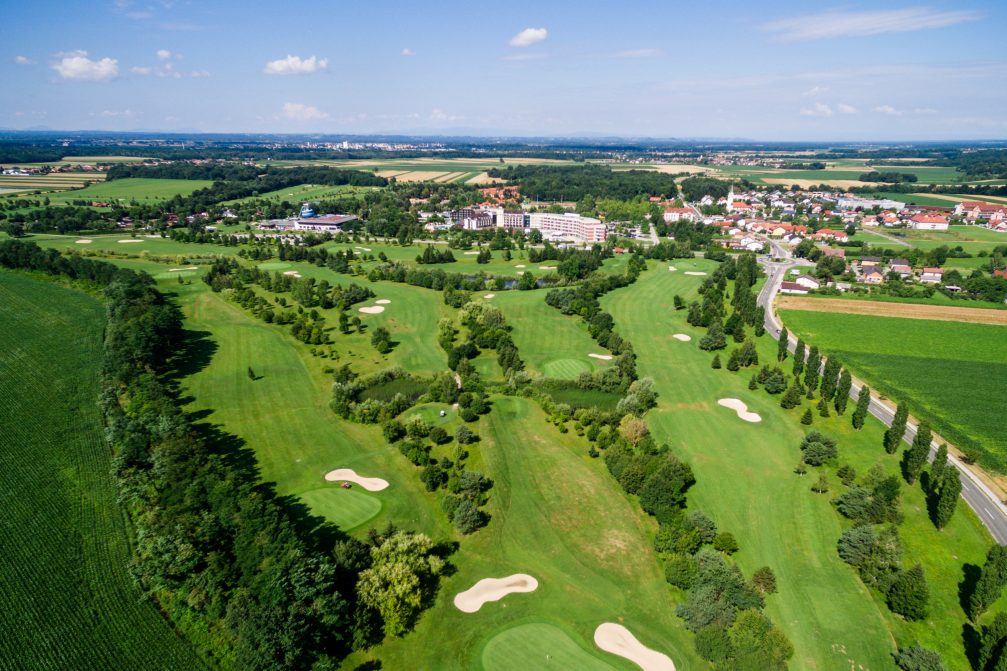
946,313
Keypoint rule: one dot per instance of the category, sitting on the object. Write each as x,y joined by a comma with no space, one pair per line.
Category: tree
714,339
799,355
821,486
916,658
830,378
843,391
381,340
915,457
947,498
764,580
781,348
812,369
468,518
251,373
990,583
733,361
863,405
807,417
823,407
402,578
893,436
909,594
939,468
678,302
792,398
716,361
726,543
992,646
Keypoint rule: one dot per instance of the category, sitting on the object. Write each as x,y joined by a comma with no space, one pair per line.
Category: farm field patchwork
50,182
950,372
302,193
69,601
951,313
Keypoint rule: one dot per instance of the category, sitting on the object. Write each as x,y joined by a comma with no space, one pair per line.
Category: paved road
991,511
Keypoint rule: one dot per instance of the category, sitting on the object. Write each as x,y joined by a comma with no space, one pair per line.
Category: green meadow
133,188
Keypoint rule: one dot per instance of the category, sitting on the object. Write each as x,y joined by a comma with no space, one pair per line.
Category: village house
808,282
872,276
931,276
900,266
928,222
834,251
793,288
973,210
673,214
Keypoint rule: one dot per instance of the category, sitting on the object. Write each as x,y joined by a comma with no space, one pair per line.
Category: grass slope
951,372
559,516
132,188
69,602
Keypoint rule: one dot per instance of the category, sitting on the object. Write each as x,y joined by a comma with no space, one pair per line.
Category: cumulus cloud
528,37
141,71
163,54
850,23
887,109
77,66
408,52
295,65
843,108
302,112
23,60
924,110
816,91
818,109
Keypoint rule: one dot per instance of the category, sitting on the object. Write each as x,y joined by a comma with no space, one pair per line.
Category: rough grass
576,397
69,602
386,391
539,646
559,516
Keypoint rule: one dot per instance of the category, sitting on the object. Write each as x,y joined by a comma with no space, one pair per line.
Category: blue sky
773,70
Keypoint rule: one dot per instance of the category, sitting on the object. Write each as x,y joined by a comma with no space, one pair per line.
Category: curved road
991,511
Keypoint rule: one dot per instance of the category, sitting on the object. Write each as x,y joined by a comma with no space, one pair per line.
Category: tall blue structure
307,212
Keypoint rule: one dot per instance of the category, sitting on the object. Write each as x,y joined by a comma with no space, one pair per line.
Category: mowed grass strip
745,479
951,373
559,516
69,602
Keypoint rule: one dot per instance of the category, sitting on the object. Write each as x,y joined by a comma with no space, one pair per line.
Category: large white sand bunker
520,265
618,640
547,267
126,242
740,408
672,269
292,273
366,249
603,357
489,296
349,475
373,310
683,337
698,273
83,242
493,589
470,253
382,301
178,270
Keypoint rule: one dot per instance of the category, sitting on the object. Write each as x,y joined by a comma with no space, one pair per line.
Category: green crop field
950,372
303,192
912,198
560,517
69,602
134,188
745,481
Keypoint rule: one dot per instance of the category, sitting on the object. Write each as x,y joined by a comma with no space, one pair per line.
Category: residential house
928,222
793,288
931,276
673,214
808,282
833,251
872,276
900,266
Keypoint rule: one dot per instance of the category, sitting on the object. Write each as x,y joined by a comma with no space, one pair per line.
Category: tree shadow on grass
972,640
970,576
193,355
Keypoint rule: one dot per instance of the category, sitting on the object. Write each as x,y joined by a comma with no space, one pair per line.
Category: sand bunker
374,310
292,273
695,272
124,242
682,337
349,475
382,301
618,640
547,267
603,357
740,408
493,589
83,242
520,265
366,249
470,253
489,296
672,269
175,270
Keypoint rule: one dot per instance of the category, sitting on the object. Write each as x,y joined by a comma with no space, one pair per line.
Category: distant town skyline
774,71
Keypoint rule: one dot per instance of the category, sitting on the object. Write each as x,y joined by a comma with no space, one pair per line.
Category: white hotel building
567,226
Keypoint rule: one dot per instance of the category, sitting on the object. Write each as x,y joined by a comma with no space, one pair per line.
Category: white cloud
637,53
163,54
408,52
846,23
23,60
843,108
199,73
295,65
816,91
924,110
301,112
818,109
76,65
528,37
887,109
137,70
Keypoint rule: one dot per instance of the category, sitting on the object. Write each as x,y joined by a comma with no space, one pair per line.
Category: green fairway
550,343
69,600
284,418
559,516
952,373
302,193
538,646
138,189
127,244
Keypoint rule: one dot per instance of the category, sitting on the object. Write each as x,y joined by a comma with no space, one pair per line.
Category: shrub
909,594
915,658
726,543
764,580
680,570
